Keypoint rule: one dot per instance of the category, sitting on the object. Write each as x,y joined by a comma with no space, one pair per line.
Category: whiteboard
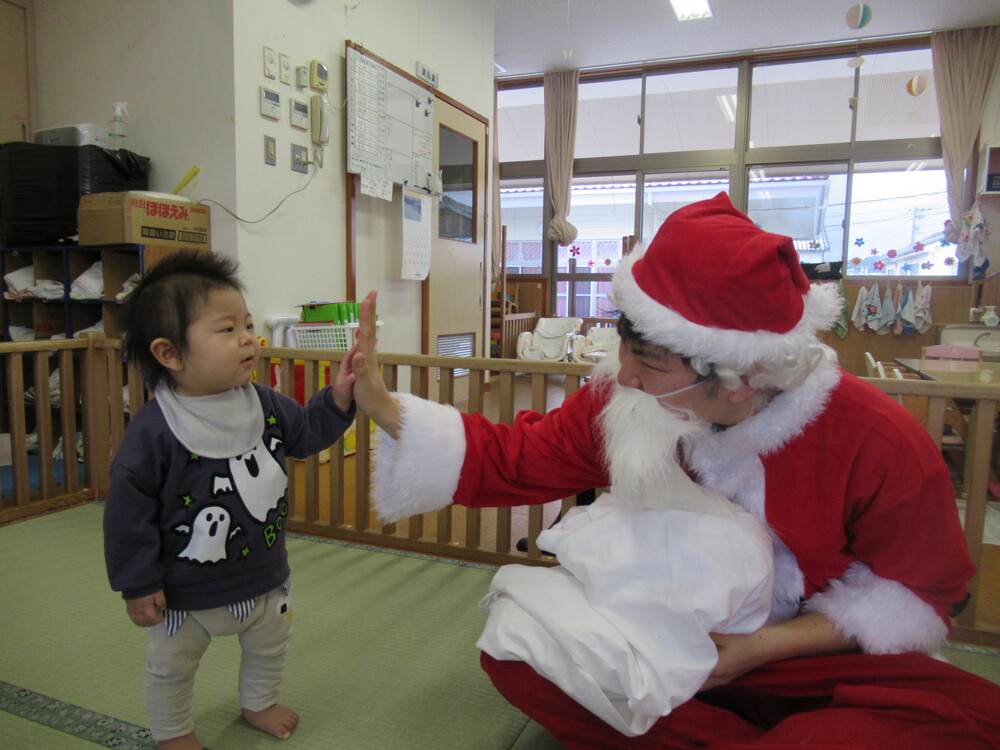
390,123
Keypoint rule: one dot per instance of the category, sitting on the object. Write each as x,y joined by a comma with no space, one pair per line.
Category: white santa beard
641,437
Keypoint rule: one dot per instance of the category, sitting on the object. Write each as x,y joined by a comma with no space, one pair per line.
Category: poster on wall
416,235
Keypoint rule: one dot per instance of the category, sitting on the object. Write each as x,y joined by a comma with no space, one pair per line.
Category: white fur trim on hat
883,616
739,350
419,472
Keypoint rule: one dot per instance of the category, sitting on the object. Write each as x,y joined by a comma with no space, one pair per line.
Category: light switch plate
285,68
270,63
270,151
300,159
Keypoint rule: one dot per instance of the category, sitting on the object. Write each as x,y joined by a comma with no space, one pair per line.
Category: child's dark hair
167,300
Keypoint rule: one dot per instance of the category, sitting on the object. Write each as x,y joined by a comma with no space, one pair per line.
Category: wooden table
963,371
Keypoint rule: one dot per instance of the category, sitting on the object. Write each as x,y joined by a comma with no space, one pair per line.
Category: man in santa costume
719,332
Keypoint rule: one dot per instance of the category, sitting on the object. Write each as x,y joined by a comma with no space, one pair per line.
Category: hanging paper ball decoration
916,85
858,16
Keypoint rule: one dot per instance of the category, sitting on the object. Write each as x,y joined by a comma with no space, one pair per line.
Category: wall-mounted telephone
320,114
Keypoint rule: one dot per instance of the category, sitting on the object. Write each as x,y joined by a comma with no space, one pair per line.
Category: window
603,211
822,125
607,118
798,103
662,194
521,214
886,107
457,159
690,111
897,219
521,124
804,202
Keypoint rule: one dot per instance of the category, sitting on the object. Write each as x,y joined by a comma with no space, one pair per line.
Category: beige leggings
171,661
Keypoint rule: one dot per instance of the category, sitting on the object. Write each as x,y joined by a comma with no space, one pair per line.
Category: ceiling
537,36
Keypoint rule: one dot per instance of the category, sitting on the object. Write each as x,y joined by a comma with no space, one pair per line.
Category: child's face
222,347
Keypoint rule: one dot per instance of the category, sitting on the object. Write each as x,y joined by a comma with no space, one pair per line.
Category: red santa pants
894,702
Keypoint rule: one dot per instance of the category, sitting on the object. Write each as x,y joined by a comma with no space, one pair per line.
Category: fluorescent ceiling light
688,10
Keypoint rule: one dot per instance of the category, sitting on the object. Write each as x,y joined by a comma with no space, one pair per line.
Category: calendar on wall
417,209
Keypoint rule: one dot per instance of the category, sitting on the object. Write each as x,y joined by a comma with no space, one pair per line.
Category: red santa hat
714,285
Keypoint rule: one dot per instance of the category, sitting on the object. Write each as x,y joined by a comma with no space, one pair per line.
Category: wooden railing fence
330,494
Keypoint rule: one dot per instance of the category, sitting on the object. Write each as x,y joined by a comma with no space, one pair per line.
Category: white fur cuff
884,616
418,472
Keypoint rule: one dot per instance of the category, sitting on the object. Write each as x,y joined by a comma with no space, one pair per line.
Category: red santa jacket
857,494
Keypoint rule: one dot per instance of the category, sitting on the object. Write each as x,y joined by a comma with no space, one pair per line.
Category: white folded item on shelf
89,284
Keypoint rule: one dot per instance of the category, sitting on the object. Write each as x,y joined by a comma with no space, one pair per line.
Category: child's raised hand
146,611
343,382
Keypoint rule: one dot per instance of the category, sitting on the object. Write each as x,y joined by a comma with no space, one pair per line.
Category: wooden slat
312,383
18,428
43,425
68,386
336,502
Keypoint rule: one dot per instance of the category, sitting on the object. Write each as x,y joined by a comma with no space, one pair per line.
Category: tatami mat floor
383,656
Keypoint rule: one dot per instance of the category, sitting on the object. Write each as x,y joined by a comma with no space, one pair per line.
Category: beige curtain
965,62
560,139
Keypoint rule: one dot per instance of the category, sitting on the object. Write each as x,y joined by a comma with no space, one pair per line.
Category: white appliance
84,134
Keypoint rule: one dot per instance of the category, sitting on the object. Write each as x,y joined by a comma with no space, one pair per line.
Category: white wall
191,71
158,57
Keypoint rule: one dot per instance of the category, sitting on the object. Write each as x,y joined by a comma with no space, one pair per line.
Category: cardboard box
143,218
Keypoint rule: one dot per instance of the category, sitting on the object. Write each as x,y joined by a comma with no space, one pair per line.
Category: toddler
194,526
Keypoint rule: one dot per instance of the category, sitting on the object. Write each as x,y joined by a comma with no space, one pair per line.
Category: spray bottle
117,132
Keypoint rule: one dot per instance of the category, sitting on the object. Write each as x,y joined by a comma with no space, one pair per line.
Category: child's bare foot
187,742
277,720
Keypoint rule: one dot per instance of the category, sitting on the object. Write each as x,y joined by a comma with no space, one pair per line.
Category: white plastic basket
330,336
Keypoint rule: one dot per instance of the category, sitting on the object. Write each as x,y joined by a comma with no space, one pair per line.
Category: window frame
733,162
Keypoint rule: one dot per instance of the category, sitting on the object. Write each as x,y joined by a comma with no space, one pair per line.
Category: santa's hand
738,654
372,396
147,611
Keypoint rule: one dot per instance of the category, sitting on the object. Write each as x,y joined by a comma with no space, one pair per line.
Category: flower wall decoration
859,242
856,261
879,265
